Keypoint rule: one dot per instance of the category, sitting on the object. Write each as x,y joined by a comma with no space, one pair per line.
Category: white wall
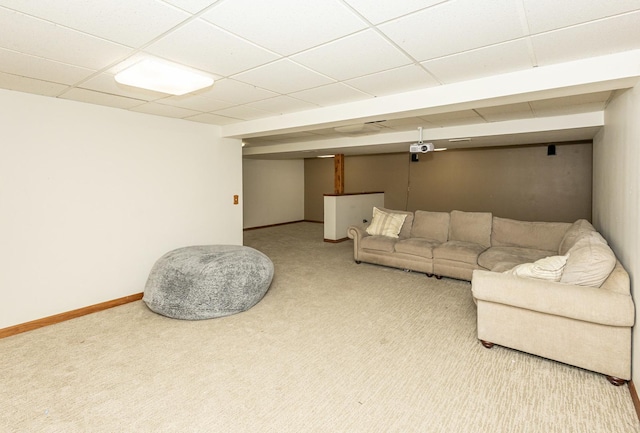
343,211
616,191
273,191
91,196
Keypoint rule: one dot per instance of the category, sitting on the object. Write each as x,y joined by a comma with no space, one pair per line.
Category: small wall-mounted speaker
414,157
551,150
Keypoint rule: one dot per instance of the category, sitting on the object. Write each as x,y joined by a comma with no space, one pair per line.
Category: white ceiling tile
483,62
40,38
544,15
282,105
571,104
453,118
453,27
379,10
331,94
571,109
212,119
237,93
398,80
192,6
203,46
506,112
405,124
286,26
283,76
244,112
595,38
123,21
360,54
36,67
30,85
106,83
83,95
164,110
195,102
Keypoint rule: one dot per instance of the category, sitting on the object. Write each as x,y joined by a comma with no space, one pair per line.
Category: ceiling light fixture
165,77
455,140
326,156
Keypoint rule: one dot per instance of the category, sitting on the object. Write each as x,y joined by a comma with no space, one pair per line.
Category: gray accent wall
520,182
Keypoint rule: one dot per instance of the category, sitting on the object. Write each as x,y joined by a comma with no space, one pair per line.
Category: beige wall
273,191
92,196
616,190
519,182
318,180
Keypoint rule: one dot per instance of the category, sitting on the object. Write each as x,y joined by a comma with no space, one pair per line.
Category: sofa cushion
378,243
548,268
507,232
577,230
474,227
430,225
590,261
503,266
459,251
386,223
490,258
417,247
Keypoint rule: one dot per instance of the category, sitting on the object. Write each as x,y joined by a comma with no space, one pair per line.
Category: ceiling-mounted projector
420,146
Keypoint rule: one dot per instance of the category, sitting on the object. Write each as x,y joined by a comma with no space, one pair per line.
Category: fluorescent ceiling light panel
165,77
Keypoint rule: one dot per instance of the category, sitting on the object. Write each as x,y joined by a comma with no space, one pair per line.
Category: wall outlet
235,199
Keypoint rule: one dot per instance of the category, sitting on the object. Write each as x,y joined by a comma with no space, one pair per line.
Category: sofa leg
358,262
439,277
487,344
429,275
615,380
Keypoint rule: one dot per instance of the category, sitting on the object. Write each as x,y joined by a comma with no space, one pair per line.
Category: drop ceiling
300,78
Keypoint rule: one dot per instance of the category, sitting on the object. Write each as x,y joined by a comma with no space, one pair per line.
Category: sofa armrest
357,233
590,304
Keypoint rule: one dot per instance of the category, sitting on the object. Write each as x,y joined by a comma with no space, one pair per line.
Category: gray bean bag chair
202,282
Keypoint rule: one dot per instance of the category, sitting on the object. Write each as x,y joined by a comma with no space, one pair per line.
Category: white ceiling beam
509,127
615,71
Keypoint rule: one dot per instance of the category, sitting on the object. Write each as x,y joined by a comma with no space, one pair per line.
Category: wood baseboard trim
281,224
46,321
336,241
271,225
634,398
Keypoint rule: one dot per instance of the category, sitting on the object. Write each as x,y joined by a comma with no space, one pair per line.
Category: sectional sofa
552,289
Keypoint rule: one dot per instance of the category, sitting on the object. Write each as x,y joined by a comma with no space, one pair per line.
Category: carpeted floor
333,347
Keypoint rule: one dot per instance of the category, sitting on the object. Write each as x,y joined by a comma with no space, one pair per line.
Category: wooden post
338,176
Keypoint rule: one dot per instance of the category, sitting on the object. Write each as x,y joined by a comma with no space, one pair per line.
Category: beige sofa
552,289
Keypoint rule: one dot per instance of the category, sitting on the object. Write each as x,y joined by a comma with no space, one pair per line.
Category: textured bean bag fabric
203,282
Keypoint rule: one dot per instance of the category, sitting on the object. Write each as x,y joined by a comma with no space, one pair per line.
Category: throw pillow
548,268
385,223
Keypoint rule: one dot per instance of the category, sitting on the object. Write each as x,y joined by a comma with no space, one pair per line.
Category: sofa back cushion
430,225
527,234
470,227
577,230
590,261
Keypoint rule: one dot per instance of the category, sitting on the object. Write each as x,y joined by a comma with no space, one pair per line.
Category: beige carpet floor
332,347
